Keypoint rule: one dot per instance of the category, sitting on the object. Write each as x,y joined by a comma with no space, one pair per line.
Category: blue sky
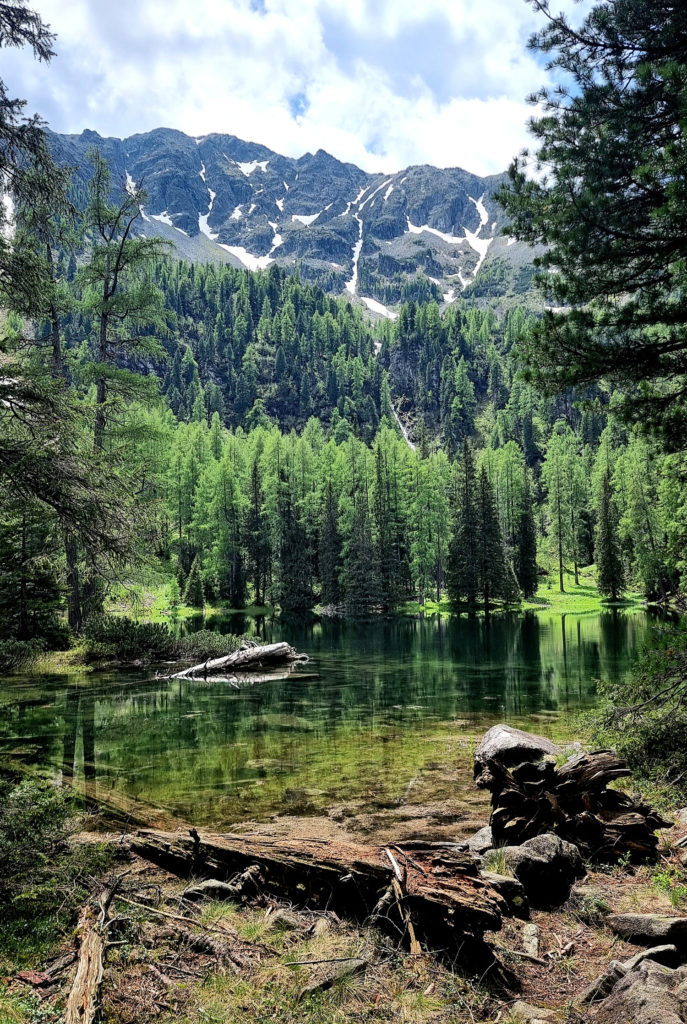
383,84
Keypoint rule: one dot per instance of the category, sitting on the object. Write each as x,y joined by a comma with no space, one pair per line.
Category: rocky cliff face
420,233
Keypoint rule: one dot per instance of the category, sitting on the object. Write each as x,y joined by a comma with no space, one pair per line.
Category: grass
577,598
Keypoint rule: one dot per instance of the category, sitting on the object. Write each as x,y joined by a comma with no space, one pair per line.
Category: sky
381,83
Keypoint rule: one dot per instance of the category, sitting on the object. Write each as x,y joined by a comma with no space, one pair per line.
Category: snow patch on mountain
280,204
237,214
164,218
251,166
388,192
277,239
378,307
203,219
353,283
451,239
249,261
201,172
373,194
483,215
305,218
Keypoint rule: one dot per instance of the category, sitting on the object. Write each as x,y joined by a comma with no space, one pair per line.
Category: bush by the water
644,718
205,643
19,654
114,636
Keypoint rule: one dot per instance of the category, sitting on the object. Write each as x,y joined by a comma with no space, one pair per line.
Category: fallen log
572,801
249,656
440,892
84,996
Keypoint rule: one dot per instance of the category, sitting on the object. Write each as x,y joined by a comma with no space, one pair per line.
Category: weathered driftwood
440,894
249,656
574,802
84,996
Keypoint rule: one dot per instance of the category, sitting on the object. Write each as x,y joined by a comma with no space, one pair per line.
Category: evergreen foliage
611,208
609,565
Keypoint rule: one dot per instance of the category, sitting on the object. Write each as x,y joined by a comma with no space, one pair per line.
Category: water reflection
360,716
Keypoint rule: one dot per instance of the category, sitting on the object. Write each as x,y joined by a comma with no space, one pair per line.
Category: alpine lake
378,704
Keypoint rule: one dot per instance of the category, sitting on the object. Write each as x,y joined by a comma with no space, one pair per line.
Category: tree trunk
248,657
74,610
442,891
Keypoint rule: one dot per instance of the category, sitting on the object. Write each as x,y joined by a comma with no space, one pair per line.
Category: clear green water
377,702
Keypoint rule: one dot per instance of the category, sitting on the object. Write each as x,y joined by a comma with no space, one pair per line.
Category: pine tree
611,211
609,566
526,554
329,550
462,581
194,595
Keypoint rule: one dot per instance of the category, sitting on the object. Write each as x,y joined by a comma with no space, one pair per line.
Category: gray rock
512,891
645,929
285,920
681,816
547,866
481,841
511,746
325,975
605,984
666,955
529,1014
651,994
530,939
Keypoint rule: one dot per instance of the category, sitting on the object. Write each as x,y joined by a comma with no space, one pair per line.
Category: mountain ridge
422,232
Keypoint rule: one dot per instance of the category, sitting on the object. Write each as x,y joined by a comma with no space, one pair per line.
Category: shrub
39,874
118,637
19,654
205,643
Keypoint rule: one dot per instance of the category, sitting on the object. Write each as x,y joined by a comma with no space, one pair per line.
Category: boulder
512,891
605,984
481,841
529,1014
650,994
547,866
511,746
681,816
648,929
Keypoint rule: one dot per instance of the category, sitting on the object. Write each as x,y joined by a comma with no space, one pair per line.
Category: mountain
419,234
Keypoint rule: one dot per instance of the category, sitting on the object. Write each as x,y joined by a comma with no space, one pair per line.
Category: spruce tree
295,561
492,564
194,595
609,566
362,589
462,580
526,553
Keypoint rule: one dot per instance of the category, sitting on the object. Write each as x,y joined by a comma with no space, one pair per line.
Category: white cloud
371,81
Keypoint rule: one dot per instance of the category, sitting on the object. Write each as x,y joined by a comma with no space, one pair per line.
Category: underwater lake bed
378,703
